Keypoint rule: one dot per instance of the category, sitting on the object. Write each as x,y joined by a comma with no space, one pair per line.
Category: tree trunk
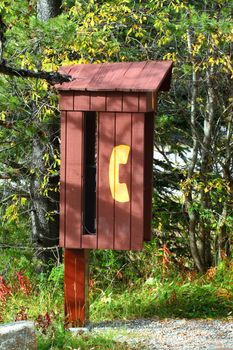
47,9
199,233
223,249
223,238
193,221
45,230
206,168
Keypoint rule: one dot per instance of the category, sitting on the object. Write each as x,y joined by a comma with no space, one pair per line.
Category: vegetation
145,286
194,121
193,197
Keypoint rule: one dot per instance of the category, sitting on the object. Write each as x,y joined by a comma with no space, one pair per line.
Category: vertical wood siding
74,177
63,180
148,166
123,126
120,225
138,181
105,203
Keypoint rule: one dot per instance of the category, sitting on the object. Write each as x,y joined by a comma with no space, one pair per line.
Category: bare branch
51,77
4,177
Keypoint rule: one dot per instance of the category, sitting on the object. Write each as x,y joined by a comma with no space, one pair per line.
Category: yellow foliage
170,56
211,273
224,293
3,116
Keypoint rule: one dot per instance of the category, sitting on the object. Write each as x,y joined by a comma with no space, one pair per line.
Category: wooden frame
122,226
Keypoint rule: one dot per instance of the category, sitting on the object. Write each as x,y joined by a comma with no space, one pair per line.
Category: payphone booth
107,129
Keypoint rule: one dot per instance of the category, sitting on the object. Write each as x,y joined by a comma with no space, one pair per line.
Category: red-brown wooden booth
107,132
107,153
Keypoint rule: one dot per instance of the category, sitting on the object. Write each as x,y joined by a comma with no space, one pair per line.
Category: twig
8,246
50,77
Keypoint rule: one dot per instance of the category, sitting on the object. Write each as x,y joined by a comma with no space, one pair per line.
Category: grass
196,299
66,340
123,293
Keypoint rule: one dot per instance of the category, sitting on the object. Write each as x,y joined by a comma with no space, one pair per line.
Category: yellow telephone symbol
119,156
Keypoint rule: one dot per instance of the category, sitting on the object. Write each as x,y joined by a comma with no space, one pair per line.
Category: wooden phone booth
107,127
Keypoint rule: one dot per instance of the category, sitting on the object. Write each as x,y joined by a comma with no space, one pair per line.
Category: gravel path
172,334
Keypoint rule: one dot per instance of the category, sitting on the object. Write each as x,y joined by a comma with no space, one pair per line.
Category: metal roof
122,76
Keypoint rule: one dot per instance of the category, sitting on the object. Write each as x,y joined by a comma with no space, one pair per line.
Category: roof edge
166,82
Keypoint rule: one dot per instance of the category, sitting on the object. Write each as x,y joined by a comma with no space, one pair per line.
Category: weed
5,290
132,287
25,285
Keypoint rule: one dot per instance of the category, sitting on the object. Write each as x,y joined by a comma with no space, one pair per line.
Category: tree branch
5,124
51,77
4,177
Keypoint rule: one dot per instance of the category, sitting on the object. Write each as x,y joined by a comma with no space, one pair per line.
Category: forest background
193,181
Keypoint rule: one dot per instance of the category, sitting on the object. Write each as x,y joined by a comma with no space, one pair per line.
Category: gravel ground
172,334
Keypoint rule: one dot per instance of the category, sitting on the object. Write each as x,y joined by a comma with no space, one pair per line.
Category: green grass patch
67,340
154,298
170,296
127,291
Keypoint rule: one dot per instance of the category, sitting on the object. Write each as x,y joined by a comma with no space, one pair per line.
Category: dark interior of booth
90,152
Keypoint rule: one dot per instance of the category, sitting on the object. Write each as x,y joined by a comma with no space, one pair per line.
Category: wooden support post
76,283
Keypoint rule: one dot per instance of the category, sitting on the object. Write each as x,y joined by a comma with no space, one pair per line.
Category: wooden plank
74,173
98,101
131,76
148,166
76,283
63,180
105,202
122,209
86,101
66,101
109,76
137,195
152,76
82,101
89,241
114,102
130,102
147,102
83,75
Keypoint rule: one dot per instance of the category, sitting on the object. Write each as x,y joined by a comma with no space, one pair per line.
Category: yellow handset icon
119,156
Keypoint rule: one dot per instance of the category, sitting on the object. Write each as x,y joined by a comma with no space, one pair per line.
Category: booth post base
76,283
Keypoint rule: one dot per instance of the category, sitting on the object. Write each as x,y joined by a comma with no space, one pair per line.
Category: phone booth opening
107,153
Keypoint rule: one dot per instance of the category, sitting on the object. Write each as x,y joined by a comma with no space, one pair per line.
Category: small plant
43,322
25,285
5,290
22,314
